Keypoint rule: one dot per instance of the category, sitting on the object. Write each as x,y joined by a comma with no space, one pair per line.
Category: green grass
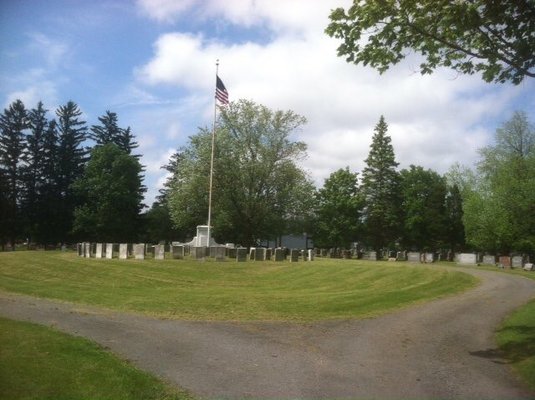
516,337
188,289
41,363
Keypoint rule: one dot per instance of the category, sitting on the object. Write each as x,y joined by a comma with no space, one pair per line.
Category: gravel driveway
441,349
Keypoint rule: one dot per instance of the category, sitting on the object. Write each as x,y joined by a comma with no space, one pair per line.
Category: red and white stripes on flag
221,93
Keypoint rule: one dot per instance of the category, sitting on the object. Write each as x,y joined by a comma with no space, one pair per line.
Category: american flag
221,93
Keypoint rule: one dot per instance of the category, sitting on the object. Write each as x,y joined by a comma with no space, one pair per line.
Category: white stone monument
201,239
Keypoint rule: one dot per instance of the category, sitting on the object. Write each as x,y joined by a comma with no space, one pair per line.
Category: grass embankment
40,363
188,289
516,337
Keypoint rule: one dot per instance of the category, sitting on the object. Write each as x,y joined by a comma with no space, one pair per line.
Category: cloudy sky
153,63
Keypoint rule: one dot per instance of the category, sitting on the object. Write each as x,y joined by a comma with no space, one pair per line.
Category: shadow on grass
515,350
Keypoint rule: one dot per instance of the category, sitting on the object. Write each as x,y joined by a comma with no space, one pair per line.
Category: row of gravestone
140,251
389,255
372,255
474,259
501,261
427,257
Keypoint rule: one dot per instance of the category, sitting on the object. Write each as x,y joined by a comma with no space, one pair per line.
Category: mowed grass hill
192,290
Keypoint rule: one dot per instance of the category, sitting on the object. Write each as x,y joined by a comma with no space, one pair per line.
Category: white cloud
279,15
52,51
164,10
34,86
40,80
178,60
31,95
434,120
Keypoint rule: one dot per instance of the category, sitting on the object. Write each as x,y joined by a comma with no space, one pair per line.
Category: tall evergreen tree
4,210
34,179
109,132
13,123
125,141
72,157
48,229
381,190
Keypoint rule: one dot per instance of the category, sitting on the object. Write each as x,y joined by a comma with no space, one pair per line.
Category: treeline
491,209
55,188
261,193
385,208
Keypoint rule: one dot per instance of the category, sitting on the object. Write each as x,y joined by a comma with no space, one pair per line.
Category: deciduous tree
338,219
494,38
424,208
112,193
499,215
258,187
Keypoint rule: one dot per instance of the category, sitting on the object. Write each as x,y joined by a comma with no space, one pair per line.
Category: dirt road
442,349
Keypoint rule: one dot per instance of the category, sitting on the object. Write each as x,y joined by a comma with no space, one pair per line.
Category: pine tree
125,141
110,132
107,131
47,229
4,210
381,189
33,169
13,123
71,161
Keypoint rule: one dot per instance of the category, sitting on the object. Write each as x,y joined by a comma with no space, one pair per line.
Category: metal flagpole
212,160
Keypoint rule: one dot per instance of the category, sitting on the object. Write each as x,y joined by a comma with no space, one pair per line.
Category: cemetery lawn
37,362
192,290
516,338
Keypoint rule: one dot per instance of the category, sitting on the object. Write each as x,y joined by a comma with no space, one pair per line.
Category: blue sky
153,63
